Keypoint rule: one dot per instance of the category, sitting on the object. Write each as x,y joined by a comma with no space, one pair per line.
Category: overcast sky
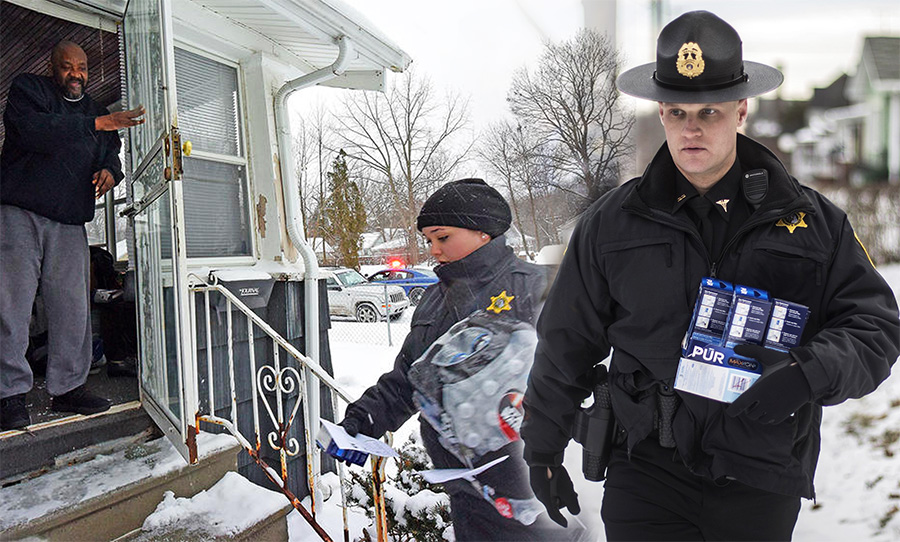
475,46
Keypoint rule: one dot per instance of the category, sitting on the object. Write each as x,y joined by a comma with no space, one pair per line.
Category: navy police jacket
466,285
628,283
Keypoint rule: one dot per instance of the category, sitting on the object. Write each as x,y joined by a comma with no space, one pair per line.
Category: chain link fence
368,324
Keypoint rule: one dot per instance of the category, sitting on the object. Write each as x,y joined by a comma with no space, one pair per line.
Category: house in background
876,86
821,148
229,301
379,247
852,131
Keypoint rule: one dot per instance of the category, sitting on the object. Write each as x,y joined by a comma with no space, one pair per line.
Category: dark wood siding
26,38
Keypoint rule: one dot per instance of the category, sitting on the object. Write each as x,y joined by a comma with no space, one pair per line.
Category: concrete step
233,509
111,495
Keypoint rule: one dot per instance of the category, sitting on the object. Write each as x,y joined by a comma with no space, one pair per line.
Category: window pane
159,358
207,103
216,209
144,61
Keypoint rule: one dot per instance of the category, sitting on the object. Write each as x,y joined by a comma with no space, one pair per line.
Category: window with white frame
216,199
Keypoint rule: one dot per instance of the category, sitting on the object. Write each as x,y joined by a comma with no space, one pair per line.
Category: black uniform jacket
466,285
628,281
52,150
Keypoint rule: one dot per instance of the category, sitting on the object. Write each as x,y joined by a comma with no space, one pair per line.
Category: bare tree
403,137
571,100
303,157
312,148
522,161
504,155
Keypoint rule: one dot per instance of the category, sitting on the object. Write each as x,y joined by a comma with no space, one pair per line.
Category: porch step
111,495
52,444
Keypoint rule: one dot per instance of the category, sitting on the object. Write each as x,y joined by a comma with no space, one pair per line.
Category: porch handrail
271,378
304,360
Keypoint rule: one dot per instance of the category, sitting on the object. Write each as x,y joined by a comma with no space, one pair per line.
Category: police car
413,281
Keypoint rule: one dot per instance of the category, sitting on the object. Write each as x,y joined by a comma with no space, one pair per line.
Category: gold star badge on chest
793,221
500,302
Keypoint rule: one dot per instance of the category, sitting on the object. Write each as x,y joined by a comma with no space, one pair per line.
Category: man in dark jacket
628,283
60,153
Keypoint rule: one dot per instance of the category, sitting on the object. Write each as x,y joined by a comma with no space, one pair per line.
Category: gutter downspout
296,234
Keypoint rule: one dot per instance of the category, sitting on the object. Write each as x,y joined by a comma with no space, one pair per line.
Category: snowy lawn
857,481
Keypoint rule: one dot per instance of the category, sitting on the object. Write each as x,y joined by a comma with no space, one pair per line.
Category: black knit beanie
469,204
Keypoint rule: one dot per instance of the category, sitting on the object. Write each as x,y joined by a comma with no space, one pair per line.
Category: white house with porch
232,326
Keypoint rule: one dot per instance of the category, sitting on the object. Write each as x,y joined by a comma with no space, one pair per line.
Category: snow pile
417,505
858,478
228,508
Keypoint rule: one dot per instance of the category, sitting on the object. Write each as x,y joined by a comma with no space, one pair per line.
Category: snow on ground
857,482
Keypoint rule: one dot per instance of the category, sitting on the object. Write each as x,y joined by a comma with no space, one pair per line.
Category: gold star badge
723,203
793,221
501,302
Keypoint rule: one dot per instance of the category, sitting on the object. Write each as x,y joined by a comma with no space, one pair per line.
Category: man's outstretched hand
553,487
119,120
780,391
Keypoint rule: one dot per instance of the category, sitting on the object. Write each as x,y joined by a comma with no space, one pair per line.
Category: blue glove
553,487
780,391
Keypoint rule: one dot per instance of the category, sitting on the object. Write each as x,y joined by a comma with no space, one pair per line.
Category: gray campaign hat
699,59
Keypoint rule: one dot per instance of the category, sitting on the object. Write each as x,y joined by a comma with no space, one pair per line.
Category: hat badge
690,60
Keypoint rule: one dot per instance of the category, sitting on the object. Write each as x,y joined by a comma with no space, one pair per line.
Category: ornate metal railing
274,385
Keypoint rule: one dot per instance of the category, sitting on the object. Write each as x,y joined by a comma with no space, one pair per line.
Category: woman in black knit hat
468,381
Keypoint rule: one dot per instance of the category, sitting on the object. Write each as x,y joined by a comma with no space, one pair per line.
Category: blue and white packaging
786,325
715,372
749,317
710,312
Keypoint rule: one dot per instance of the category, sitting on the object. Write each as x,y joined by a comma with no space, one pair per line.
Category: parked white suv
350,294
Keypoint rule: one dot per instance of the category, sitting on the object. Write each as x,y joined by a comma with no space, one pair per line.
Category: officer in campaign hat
712,203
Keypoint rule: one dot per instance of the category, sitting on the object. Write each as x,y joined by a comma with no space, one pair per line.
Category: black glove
780,391
358,421
552,486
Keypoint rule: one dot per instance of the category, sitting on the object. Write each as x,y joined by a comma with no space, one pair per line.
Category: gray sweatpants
36,250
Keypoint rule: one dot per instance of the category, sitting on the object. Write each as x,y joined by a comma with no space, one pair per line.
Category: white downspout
295,227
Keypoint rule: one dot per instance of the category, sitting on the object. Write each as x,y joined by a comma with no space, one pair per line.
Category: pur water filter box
726,316
715,372
749,317
710,312
786,325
